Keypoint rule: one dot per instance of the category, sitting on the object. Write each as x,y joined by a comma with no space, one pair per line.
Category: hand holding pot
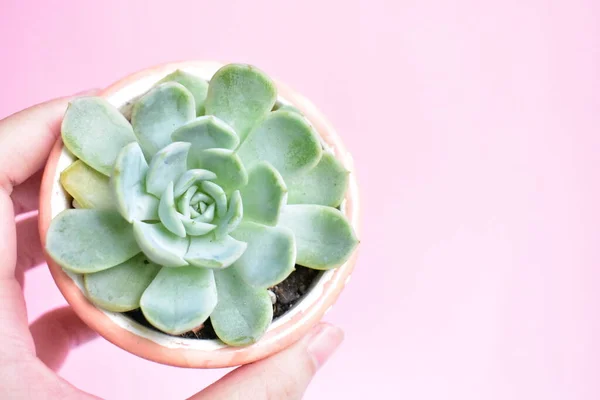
31,353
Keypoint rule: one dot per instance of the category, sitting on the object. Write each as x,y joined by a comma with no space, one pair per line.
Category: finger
26,196
282,376
26,139
29,246
13,314
28,378
57,332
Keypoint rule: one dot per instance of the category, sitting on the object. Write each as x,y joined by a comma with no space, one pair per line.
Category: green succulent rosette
197,205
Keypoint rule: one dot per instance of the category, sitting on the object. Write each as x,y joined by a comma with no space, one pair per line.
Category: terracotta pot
162,348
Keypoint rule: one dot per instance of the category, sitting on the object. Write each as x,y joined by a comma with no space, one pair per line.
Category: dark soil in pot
288,293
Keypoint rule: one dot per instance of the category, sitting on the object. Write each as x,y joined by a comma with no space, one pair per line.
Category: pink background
474,127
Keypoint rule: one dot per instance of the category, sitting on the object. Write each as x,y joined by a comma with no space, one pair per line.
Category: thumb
282,376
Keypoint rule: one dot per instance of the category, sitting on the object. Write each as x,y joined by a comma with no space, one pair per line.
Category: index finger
26,139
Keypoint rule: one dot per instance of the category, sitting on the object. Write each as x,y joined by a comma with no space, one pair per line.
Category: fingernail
323,342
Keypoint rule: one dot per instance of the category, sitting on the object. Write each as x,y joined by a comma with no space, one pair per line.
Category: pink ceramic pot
162,348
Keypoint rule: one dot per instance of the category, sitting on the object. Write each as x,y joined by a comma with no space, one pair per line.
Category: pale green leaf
167,165
240,95
243,312
197,86
120,288
207,132
197,226
325,184
158,113
183,204
95,131
168,214
192,177
160,245
234,215
216,192
226,164
286,141
127,183
86,241
200,198
209,252
324,237
88,187
270,256
264,195
179,299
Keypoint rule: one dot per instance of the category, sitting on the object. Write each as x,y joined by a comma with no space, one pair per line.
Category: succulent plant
207,197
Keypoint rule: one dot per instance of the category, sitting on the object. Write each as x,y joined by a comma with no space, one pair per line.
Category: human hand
29,355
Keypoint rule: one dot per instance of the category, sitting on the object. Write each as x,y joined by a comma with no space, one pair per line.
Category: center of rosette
193,204
196,204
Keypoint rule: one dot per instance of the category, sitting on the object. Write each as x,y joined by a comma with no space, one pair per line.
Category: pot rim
164,348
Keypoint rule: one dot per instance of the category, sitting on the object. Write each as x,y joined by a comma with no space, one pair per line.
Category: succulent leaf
209,252
73,233
95,131
190,178
168,214
183,204
197,226
233,217
270,256
241,95
243,312
264,195
166,166
201,198
197,86
179,299
127,179
120,288
286,141
217,193
325,184
87,186
207,132
324,237
158,113
226,164
160,245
